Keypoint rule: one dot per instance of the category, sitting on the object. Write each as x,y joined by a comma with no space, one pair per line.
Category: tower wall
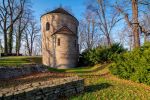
65,55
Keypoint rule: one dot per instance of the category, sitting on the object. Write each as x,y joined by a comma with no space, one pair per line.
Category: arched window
58,42
47,26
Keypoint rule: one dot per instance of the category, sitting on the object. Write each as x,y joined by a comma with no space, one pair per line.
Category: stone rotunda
59,39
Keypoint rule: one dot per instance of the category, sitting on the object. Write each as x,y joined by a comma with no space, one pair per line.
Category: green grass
103,89
100,84
75,70
19,60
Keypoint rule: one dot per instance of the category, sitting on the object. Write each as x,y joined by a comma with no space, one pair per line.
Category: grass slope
100,84
19,60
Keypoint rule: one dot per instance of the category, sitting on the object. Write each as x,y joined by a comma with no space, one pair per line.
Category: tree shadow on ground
93,76
31,78
95,70
97,87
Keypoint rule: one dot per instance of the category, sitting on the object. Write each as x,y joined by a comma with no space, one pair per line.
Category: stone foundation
49,90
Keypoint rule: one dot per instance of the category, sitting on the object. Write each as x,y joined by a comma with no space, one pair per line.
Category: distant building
59,39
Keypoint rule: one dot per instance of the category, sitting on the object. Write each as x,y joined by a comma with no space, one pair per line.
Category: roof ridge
62,28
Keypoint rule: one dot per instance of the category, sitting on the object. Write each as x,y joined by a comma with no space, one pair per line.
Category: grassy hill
19,60
100,84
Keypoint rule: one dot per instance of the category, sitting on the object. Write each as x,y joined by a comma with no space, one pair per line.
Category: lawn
19,60
100,84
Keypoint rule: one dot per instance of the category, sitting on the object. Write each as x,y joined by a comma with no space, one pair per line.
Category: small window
58,43
76,28
47,26
75,43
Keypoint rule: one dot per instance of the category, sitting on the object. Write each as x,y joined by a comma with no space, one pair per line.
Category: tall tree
107,18
20,27
88,32
15,12
10,12
134,23
145,23
31,33
3,22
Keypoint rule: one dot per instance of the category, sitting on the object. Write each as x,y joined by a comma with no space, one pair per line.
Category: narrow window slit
47,26
58,42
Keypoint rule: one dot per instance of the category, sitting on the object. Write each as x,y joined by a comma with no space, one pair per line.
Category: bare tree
134,23
3,22
31,33
20,27
146,24
37,46
88,32
105,19
10,12
15,11
81,33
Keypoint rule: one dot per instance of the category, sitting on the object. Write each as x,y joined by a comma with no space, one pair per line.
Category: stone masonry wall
67,52
57,21
49,90
12,72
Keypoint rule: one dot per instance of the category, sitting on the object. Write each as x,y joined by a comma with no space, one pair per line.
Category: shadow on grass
97,87
56,70
34,77
83,69
93,76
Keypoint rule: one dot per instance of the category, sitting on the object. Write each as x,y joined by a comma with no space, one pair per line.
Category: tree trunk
88,33
108,40
5,42
10,39
145,37
18,44
18,39
105,22
5,37
135,24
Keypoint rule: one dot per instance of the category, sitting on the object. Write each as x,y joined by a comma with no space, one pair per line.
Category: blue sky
41,6
78,7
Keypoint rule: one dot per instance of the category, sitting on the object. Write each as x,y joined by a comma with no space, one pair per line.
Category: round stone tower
59,39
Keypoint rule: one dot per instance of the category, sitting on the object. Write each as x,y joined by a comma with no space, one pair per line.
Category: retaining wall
49,90
12,72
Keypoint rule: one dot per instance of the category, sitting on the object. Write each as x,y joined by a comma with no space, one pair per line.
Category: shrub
133,65
100,54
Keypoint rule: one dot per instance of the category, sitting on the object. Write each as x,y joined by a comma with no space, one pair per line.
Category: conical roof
59,10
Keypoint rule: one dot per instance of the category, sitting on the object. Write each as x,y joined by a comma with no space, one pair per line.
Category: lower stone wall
49,90
12,72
